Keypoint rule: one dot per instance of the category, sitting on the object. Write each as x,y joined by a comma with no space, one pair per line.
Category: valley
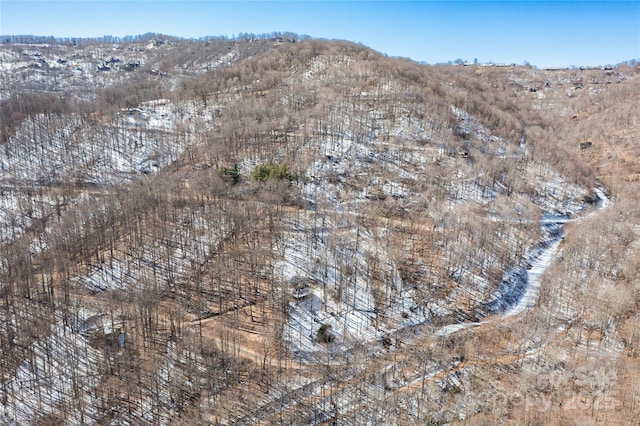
282,230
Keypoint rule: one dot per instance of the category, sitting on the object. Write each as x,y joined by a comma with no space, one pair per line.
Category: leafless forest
280,230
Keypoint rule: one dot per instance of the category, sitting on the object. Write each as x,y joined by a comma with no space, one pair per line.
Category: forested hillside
279,230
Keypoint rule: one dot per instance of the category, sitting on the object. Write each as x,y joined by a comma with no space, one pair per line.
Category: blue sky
544,33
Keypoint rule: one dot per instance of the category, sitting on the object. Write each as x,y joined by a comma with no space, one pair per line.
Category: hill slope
286,231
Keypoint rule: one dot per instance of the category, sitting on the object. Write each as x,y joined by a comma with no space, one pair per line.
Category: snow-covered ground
160,262
492,223
327,268
62,149
59,377
331,279
521,287
332,283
